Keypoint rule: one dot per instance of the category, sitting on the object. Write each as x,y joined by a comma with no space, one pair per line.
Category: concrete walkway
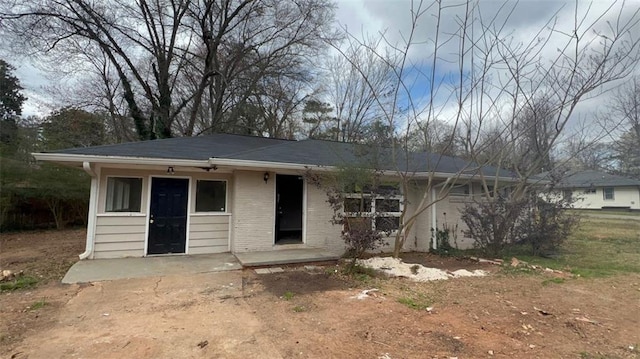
121,268
285,256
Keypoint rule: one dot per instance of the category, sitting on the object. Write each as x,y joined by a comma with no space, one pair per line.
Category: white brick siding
253,212
320,232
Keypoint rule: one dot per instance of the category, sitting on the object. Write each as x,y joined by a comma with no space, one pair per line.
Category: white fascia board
67,158
251,164
448,176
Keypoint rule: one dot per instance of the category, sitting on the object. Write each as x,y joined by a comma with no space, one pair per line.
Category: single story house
601,190
234,193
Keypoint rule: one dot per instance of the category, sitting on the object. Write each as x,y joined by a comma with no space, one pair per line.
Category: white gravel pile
396,268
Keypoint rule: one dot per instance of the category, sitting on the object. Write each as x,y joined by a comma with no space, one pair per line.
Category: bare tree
589,155
220,49
481,78
353,86
142,41
436,136
624,111
247,44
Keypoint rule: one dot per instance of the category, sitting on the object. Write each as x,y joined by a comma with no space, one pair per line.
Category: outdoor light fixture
209,168
266,177
170,170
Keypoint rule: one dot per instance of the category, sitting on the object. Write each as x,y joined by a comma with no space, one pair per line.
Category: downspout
91,217
434,213
434,216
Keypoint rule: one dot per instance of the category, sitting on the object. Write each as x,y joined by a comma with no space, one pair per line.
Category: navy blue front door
168,216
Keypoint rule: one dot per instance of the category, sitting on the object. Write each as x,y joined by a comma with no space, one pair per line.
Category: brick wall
253,212
320,232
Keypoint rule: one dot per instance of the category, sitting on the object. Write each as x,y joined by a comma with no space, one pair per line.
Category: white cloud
33,82
524,21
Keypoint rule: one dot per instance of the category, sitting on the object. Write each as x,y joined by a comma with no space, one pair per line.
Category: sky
392,18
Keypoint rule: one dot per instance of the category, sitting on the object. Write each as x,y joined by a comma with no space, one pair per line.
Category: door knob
151,221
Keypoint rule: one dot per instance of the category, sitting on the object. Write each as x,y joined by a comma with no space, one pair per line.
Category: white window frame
604,194
372,213
226,198
465,185
106,195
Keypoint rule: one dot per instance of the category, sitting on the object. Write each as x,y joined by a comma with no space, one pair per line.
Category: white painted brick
320,232
253,212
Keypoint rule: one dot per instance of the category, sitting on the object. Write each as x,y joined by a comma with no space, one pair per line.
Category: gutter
249,164
252,164
93,207
434,219
62,157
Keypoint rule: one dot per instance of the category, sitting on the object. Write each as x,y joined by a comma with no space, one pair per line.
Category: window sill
121,214
460,199
202,214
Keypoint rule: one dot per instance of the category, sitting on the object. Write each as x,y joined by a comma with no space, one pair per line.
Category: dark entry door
168,215
288,209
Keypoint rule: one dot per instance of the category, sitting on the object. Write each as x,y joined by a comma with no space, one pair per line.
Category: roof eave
73,158
252,164
67,158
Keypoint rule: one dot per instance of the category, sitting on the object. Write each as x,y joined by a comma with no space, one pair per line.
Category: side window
211,196
375,212
124,194
460,190
608,193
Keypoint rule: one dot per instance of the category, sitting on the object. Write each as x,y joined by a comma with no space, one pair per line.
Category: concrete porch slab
94,270
285,256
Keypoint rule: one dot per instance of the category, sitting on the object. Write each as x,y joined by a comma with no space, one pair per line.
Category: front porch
285,256
94,270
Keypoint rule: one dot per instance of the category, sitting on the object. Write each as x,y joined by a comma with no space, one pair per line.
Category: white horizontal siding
622,197
124,220
116,230
208,234
119,236
119,246
210,219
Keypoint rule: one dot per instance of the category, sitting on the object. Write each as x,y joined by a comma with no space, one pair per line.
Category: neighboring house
232,193
600,190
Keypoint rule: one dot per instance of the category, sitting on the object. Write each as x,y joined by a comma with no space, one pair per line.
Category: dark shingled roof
585,179
305,152
184,148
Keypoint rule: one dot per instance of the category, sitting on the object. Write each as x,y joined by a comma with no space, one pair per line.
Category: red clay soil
312,313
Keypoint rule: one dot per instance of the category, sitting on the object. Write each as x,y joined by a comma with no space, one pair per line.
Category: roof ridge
260,148
243,135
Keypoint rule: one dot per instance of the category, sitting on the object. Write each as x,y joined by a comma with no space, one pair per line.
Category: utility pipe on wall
93,206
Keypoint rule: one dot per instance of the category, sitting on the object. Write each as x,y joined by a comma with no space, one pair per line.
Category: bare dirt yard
591,310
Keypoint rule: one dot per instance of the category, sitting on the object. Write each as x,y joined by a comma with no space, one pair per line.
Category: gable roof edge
66,158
